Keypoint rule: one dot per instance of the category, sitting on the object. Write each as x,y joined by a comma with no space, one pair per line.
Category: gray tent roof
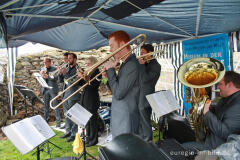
83,25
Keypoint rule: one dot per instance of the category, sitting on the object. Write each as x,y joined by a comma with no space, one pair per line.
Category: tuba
200,74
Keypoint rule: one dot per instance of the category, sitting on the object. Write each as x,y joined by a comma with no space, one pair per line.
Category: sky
27,49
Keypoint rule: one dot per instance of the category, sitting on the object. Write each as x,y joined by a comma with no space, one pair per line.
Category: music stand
80,116
162,103
29,94
30,133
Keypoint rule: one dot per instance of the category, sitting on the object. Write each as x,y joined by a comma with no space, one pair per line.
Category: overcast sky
27,49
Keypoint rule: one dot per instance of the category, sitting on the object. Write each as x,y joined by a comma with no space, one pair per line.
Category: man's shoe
70,139
65,135
62,127
91,144
58,125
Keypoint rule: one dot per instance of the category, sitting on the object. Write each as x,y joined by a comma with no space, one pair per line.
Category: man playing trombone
149,73
70,127
124,86
48,94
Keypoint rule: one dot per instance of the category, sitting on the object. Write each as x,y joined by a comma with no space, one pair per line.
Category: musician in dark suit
47,93
149,73
70,127
223,119
63,71
91,101
124,86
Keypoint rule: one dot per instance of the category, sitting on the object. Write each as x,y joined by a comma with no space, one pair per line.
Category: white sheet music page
40,79
41,125
23,135
79,115
162,102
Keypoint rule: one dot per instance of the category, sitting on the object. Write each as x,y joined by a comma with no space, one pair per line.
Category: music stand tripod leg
25,103
32,105
54,145
84,148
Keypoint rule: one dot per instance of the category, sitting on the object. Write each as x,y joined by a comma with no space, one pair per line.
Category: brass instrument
88,72
55,72
154,55
198,74
73,78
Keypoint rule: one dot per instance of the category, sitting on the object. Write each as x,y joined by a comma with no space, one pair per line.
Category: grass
9,152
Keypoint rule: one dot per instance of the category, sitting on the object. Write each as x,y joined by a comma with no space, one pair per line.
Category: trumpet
154,54
54,73
88,72
73,78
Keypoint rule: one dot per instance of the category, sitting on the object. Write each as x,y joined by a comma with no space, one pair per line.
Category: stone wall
4,102
27,65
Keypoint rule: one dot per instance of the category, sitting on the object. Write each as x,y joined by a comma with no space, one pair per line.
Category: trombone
89,71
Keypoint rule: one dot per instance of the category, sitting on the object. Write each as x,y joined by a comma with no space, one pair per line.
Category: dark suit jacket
125,90
70,73
51,82
223,121
90,97
149,74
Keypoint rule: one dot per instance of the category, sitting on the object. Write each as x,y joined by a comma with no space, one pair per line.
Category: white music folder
28,133
163,102
78,115
40,79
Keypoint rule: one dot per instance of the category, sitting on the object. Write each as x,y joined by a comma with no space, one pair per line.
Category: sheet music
41,80
23,135
79,115
28,133
17,139
162,102
41,125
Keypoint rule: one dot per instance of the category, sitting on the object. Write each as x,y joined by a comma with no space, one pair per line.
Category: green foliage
9,152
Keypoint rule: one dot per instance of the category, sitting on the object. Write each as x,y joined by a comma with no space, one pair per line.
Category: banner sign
213,46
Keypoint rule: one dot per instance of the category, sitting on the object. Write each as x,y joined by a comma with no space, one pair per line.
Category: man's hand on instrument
207,106
59,70
44,74
110,64
141,61
63,71
80,74
104,74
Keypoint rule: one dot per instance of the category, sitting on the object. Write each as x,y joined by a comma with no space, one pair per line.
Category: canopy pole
93,26
198,17
99,8
153,16
145,29
27,7
43,16
40,5
8,4
97,20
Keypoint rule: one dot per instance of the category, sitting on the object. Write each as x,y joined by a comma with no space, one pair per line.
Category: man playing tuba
224,118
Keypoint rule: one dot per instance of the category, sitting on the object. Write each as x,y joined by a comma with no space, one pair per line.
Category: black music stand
80,116
162,103
28,94
41,148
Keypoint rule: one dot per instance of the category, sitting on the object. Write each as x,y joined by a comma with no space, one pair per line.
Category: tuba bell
200,74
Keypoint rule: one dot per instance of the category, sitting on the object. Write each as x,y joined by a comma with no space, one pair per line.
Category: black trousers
92,129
